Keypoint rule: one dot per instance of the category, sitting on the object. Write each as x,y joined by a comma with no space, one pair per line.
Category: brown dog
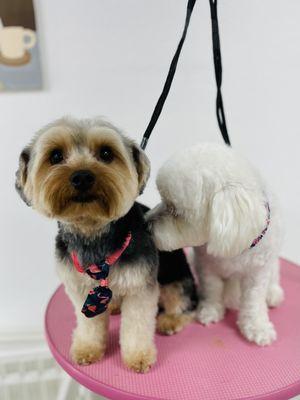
87,175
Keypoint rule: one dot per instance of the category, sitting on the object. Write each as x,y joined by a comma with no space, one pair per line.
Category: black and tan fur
94,223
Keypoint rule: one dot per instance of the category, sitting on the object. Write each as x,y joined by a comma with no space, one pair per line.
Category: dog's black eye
106,154
56,156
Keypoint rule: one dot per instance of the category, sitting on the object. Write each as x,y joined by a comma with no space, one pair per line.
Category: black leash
218,70
218,73
164,94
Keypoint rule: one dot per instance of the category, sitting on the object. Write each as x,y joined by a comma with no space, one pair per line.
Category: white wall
110,58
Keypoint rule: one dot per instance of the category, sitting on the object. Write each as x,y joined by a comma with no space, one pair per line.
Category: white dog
215,201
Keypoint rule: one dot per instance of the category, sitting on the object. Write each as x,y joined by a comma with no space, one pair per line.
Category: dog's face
75,170
209,195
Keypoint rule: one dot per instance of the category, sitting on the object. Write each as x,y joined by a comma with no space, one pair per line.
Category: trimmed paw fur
140,361
209,313
84,353
169,324
261,333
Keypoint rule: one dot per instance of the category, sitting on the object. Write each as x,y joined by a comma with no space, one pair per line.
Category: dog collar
258,239
98,298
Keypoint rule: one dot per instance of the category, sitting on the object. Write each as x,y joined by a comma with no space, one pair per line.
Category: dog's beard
111,196
106,201
84,198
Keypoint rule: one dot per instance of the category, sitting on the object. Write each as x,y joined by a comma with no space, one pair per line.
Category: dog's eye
106,154
56,156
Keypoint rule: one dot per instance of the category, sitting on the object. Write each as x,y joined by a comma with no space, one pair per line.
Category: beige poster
19,54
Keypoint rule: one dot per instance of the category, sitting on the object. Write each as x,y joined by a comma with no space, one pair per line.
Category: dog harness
258,239
98,298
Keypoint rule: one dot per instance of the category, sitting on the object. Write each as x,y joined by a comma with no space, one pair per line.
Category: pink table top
207,363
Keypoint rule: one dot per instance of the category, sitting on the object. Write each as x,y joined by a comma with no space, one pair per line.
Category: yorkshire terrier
87,175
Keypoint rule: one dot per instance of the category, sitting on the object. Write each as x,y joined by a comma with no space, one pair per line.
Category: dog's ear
236,217
22,173
142,165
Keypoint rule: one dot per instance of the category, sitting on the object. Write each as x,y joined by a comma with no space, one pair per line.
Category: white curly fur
215,201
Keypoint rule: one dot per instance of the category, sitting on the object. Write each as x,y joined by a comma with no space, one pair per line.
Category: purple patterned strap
258,239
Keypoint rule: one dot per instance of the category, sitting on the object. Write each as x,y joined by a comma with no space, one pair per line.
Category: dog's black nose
82,180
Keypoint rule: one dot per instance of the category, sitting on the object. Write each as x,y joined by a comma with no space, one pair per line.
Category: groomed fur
94,223
214,200
133,280
47,187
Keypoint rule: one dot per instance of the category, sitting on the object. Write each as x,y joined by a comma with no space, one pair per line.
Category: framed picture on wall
20,67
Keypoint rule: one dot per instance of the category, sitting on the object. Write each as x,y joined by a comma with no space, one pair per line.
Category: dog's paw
261,333
170,324
140,361
209,313
85,353
275,296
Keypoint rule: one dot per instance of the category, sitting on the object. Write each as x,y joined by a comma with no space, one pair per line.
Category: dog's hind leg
175,304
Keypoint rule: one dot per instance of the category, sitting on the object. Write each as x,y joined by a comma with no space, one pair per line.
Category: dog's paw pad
170,324
275,296
261,334
140,361
210,313
86,353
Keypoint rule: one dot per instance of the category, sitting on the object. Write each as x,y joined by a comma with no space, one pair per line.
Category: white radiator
28,372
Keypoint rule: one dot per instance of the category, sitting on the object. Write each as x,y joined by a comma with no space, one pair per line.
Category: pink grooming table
209,363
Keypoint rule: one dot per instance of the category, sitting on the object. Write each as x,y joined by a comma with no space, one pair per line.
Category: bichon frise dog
215,201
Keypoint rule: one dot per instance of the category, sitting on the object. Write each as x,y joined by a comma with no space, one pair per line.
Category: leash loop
164,94
218,70
172,69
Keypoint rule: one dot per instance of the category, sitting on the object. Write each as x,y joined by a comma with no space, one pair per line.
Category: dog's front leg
138,320
90,335
275,294
212,308
253,319
89,338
